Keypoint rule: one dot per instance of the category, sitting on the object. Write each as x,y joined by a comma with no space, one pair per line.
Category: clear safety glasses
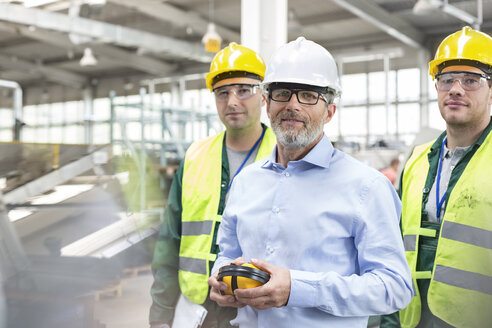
240,90
306,97
468,81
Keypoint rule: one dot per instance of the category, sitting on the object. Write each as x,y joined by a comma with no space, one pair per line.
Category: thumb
262,265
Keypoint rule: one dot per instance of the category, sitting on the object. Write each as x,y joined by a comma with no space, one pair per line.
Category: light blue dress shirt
334,223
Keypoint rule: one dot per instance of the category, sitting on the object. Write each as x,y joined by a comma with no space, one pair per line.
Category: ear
267,101
330,111
263,100
490,97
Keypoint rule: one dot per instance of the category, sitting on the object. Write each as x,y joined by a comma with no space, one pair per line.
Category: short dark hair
487,69
232,74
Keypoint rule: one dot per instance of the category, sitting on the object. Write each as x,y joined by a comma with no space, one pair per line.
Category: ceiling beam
129,59
178,17
389,23
115,54
329,18
53,74
104,32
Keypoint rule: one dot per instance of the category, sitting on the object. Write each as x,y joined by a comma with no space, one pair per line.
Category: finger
214,283
239,261
259,303
225,300
250,292
262,265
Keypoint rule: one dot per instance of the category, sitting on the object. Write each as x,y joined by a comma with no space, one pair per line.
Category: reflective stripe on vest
463,279
196,228
466,234
200,202
460,291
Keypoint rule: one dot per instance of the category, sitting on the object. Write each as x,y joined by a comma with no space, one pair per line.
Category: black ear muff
242,276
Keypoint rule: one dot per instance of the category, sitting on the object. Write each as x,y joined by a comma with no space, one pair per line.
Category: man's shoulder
206,140
203,145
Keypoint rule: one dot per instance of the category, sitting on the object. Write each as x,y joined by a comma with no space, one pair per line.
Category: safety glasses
469,81
239,90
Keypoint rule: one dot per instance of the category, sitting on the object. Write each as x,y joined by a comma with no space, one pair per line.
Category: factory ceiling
43,41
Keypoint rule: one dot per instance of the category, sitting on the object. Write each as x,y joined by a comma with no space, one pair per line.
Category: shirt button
276,209
426,190
452,167
223,185
271,250
287,174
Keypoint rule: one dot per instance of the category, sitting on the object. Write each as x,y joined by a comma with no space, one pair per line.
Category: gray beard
290,139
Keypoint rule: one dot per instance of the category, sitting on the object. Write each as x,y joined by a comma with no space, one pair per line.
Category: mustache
291,116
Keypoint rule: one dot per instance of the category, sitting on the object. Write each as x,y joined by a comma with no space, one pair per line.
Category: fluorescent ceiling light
423,7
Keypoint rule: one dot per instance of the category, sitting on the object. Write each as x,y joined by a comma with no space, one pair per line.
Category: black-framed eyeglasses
307,97
469,81
242,91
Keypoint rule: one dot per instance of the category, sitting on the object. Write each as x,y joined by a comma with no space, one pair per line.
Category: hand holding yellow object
242,276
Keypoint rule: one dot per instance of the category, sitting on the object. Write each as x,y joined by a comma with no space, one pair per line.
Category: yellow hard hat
465,47
235,58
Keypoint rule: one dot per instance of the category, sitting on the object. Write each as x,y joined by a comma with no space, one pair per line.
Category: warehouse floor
130,309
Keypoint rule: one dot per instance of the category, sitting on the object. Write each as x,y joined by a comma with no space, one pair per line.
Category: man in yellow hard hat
446,192
322,224
186,247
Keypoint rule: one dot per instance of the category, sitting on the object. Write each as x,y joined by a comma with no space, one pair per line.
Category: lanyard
246,159
438,182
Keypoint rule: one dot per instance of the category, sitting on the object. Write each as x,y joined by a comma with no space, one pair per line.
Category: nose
232,101
456,88
293,102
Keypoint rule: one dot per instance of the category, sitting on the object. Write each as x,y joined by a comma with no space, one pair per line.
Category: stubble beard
289,137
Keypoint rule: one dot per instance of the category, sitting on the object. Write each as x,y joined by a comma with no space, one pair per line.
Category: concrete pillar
368,110
386,61
340,100
177,94
423,62
88,94
264,25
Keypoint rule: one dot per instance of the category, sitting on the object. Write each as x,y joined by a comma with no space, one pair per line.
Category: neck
289,154
243,139
464,136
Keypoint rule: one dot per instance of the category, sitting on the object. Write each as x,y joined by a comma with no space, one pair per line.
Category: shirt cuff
303,289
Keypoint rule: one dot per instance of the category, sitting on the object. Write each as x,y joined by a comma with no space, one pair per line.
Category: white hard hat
304,62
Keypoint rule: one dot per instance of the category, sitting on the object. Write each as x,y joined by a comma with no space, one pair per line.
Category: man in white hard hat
323,225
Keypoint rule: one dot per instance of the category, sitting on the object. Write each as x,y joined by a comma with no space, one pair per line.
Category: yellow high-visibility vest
200,202
460,291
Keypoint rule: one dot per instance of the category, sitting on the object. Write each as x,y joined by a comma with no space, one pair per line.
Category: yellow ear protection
242,276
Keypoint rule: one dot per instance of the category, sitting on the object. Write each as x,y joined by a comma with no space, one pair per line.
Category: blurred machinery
74,217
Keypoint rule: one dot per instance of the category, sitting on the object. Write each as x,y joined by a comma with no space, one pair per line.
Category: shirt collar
320,155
